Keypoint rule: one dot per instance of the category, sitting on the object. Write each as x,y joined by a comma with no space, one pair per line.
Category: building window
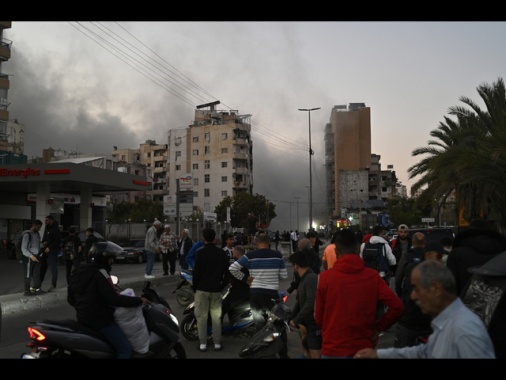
195,166
178,167
224,136
207,178
224,193
207,136
224,150
224,164
195,194
206,150
207,193
178,141
195,152
195,139
207,164
224,178
195,181
178,154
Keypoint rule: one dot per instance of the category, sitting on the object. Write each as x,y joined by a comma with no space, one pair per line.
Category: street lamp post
308,110
297,213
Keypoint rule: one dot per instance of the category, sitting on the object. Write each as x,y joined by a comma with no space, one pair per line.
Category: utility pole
308,110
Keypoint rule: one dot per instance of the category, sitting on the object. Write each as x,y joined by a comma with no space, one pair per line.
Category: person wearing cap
458,332
414,326
401,244
151,247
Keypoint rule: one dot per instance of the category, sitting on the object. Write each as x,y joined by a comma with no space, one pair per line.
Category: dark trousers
49,260
233,299
169,258
261,304
31,273
69,264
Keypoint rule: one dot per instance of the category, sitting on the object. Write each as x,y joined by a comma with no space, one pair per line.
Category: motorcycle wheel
184,299
189,328
179,351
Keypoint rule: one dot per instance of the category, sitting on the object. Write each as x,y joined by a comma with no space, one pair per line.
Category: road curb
18,303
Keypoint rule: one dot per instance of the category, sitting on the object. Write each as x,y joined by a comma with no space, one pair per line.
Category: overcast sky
88,86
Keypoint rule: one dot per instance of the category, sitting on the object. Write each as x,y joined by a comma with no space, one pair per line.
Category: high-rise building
215,154
355,180
5,54
347,148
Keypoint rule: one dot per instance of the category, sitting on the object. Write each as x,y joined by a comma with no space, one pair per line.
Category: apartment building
11,132
215,153
354,178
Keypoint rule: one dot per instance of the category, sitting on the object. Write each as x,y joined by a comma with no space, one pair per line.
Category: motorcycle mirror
115,279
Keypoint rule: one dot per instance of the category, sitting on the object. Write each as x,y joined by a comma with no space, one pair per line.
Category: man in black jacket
473,247
51,243
210,276
94,297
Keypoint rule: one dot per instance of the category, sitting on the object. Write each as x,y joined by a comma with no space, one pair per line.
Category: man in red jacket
347,299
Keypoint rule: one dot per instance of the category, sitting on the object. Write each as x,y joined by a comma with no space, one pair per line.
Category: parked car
133,252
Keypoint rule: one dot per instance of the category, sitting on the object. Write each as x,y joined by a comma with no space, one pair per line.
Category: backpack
19,252
69,249
375,257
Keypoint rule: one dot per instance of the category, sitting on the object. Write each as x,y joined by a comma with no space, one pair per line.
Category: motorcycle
70,339
272,339
183,290
240,321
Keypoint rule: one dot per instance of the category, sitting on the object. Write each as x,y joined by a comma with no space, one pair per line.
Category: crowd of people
342,303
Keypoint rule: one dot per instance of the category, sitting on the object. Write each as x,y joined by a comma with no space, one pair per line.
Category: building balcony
241,156
241,170
5,49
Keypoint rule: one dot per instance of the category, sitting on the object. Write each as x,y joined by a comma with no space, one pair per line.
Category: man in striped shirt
266,267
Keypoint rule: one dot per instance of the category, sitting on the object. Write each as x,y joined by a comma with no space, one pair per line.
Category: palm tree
468,156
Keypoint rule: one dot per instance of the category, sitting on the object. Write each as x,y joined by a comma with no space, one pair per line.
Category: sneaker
149,276
218,347
51,289
38,291
28,293
203,348
32,289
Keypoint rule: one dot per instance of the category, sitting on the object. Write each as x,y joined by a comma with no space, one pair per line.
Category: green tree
243,203
468,157
143,209
403,211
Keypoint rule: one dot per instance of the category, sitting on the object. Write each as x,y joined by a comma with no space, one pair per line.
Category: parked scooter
70,339
271,340
240,321
184,291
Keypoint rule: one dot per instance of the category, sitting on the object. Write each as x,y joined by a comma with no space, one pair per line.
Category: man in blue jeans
151,247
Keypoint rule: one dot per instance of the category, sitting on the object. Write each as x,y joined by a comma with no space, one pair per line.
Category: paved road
18,309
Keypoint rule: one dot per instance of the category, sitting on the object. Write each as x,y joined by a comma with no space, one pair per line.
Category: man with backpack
29,244
377,253
72,248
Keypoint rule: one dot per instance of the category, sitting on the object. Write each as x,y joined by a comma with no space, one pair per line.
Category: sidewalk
12,299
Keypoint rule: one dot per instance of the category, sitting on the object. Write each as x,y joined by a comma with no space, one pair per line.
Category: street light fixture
297,213
308,110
